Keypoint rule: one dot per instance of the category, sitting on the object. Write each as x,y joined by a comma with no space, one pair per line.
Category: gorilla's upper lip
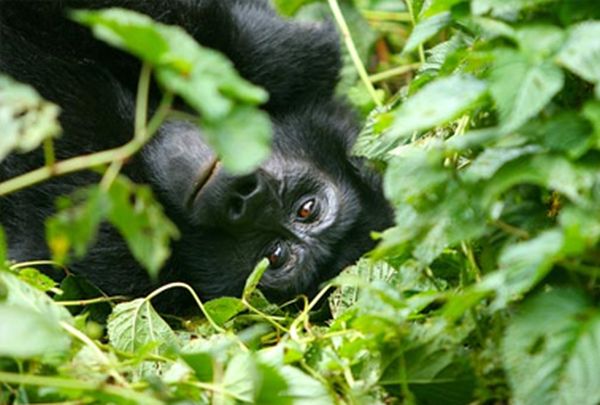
207,171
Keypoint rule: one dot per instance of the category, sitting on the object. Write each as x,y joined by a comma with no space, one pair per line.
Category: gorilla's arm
295,62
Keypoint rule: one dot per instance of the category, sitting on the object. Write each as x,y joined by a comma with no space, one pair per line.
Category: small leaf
223,309
255,276
26,333
136,324
25,118
36,279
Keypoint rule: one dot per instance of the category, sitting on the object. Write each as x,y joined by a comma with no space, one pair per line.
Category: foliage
485,291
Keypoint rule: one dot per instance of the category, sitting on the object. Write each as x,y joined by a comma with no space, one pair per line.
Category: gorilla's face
308,210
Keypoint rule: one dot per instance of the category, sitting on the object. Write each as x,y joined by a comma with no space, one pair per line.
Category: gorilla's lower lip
207,171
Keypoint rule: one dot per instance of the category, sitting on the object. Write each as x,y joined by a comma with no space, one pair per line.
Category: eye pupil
306,209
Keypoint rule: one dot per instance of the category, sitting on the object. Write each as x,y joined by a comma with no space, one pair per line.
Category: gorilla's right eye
277,255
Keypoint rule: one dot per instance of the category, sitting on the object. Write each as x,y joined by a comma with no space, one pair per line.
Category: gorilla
309,208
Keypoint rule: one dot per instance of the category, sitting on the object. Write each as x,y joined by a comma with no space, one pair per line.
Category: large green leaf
581,53
435,104
27,333
521,87
134,325
551,350
25,118
21,294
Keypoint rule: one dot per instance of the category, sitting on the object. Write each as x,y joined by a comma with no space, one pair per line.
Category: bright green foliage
134,325
29,321
204,78
25,118
130,208
485,290
551,350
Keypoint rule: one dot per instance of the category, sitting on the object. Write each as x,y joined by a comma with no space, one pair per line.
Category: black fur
234,221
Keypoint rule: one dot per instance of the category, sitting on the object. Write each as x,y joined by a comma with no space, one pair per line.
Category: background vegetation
484,118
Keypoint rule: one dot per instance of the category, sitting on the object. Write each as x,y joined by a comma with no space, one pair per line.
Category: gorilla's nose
248,197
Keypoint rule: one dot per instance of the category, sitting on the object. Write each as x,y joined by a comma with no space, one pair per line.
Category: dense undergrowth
484,118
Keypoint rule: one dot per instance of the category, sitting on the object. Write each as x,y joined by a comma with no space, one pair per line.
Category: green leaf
142,222
223,309
426,29
507,9
255,276
435,104
135,324
523,265
76,223
539,41
26,333
128,207
581,52
492,159
21,294
438,6
522,88
36,279
25,118
551,350
305,390
242,140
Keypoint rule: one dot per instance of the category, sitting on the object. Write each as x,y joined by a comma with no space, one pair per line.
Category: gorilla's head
309,209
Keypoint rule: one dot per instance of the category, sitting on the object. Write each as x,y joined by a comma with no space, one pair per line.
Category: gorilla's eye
307,210
277,255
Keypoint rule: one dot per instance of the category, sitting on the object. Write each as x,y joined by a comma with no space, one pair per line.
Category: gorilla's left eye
277,255
307,210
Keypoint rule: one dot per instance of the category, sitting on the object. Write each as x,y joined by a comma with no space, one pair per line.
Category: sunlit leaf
551,350
135,324
25,118
27,333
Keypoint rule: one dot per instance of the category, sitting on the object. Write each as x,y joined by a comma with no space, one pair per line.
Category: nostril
236,208
247,185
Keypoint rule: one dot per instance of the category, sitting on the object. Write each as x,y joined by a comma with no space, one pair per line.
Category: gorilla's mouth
207,171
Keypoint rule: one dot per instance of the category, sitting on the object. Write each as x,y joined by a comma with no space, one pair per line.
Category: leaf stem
179,284
413,20
362,72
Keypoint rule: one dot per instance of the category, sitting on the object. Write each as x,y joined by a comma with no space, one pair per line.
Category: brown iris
307,209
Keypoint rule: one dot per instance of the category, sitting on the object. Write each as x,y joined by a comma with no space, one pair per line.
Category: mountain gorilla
309,208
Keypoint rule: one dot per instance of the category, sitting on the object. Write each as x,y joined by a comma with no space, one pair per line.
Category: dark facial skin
305,210
309,208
